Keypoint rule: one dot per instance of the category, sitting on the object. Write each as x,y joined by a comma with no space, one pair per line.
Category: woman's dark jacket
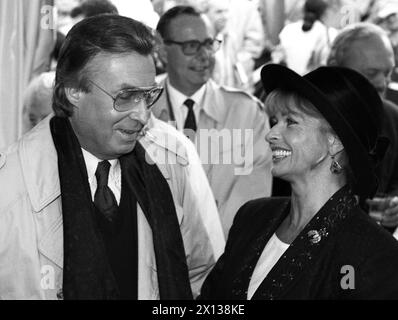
341,254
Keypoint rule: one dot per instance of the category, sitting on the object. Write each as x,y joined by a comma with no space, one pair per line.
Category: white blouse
270,256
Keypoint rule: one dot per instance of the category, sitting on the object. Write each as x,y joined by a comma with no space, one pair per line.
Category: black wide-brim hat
352,107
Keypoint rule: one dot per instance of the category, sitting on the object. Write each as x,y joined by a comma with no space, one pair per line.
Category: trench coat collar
213,102
161,135
39,162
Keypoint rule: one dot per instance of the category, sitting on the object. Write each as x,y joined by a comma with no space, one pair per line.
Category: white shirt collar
92,163
114,179
177,98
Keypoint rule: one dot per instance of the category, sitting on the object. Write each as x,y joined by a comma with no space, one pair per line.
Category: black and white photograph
205,156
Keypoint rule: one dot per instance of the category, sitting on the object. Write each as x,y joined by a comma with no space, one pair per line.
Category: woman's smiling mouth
279,154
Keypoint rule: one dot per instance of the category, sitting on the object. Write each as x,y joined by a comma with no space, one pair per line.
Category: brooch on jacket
315,236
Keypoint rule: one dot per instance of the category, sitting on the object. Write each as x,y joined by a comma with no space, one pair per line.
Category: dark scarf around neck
87,273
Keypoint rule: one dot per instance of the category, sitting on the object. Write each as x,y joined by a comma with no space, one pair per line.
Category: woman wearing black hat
319,243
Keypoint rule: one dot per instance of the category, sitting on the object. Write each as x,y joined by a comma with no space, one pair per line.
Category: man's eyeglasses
128,99
190,48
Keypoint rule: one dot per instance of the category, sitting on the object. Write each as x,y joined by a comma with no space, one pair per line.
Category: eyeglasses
190,48
130,98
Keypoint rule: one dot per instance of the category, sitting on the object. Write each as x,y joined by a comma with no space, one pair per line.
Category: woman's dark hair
170,15
313,11
112,34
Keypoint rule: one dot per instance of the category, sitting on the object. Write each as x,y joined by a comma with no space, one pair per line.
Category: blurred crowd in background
296,33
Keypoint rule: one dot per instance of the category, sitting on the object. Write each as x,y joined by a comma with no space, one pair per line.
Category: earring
335,166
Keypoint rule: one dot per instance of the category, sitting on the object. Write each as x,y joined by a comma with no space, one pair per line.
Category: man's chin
130,147
125,148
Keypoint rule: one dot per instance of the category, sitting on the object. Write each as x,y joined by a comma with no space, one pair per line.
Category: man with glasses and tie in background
224,123
103,201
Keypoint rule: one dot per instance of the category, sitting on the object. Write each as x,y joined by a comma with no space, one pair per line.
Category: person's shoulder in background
37,100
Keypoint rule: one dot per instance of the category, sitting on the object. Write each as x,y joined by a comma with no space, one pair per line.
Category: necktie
190,122
104,199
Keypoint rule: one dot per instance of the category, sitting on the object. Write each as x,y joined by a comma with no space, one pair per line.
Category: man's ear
335,145
73,95
160,49
162,55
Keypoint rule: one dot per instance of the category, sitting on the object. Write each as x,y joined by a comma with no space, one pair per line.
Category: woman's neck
306,200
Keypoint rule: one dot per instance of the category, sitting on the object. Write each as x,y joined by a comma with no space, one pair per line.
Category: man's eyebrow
126,86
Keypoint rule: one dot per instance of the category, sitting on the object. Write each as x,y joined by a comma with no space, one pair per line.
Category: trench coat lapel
209,119
307,246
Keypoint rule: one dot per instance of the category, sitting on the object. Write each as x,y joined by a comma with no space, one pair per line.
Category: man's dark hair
165,20
112,34
91,8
